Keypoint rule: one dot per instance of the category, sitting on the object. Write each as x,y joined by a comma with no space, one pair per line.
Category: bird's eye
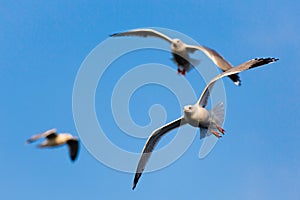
190,107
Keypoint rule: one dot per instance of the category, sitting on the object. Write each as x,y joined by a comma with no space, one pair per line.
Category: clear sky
42,46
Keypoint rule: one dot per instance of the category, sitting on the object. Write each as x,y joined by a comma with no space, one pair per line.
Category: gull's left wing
203,100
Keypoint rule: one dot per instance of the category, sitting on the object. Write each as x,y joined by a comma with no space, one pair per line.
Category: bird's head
177,43
189,112
189,109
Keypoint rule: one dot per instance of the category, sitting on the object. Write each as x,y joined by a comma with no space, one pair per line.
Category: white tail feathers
216,119
204,133
217,115
43,145
194,61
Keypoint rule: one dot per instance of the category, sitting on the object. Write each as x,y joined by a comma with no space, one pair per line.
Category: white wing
242,67
47,134
151,143
218,59
143,33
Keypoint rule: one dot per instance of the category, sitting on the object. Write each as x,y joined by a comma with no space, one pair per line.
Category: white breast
59,140
198,117
179,49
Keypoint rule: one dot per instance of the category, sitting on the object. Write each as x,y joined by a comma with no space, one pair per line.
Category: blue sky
43,46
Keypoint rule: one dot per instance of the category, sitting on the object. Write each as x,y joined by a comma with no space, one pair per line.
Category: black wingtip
114,34
136,179
267,59
134,184
263,61
238,83
74,148
73,158
236,79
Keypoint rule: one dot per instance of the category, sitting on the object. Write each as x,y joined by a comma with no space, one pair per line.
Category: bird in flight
180,52
53,140
209,122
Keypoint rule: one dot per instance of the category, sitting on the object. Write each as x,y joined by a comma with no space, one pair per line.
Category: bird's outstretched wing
73,145
48,134
143,33
218,59
242,67
151,143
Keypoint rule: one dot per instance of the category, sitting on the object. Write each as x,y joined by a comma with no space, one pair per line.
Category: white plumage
196,115
53,140
181,52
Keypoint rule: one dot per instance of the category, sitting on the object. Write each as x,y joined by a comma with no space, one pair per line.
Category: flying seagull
53,140
209,122
180,52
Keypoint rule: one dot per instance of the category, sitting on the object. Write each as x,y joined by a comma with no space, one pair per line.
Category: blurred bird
180,52
197,115
53,140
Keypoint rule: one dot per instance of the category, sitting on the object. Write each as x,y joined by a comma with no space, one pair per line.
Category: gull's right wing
152,142
48,134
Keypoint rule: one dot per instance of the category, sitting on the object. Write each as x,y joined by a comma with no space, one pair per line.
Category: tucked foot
215,133
183,72
179,71
221,129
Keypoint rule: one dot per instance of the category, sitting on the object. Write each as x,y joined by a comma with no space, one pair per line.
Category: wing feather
48,134
151,143
143,33
203,100
218,59
73,145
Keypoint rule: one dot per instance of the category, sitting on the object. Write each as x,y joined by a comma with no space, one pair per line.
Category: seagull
53,140
180,52
196,115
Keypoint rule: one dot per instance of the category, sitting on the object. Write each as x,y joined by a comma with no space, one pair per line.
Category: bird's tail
217,116
43,145
194,61
216,119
